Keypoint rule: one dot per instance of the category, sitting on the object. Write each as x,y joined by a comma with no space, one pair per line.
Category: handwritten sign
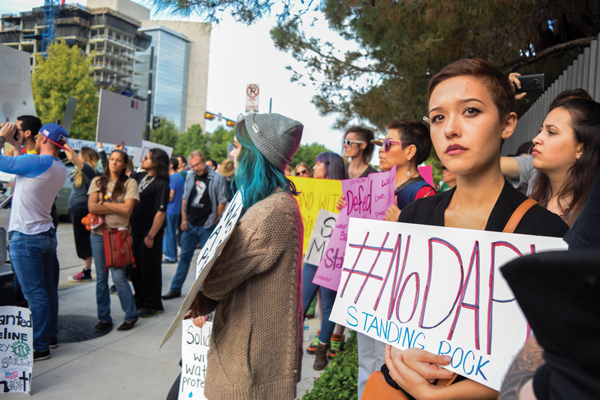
315,194
320,236
438,289
194,349
427,174
208,255
16,97
16,349
367,198
146,147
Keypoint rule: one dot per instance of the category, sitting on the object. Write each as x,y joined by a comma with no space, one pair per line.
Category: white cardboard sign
439,289
120,118
16,349
194,349
16,97
208,255
146,147
320,236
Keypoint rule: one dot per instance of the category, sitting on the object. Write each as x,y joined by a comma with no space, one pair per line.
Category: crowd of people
127,220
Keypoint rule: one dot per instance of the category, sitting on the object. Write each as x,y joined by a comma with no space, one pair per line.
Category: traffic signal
209,116
155,122
231,123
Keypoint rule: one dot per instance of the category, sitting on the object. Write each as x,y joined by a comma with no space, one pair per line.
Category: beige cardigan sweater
256,341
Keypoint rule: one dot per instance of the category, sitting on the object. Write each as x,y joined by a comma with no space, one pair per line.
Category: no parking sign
252,92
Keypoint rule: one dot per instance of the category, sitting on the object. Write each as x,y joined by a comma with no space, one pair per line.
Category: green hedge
338,381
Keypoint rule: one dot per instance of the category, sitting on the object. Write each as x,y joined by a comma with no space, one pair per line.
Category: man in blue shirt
173,212
33,236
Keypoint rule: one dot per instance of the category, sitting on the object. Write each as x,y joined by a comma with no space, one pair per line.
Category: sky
241,55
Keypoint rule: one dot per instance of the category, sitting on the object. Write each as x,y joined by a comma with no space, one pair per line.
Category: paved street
119,365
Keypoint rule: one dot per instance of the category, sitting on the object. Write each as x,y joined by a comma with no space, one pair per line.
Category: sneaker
41,355
312,348
112,289
126,326
103,326
321,357
169,261
83,276
54,344
148,312
336,345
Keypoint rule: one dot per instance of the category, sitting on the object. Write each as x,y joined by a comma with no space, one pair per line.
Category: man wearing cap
33,236
204,198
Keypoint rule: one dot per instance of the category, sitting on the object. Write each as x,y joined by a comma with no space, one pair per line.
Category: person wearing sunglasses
358,147
303,170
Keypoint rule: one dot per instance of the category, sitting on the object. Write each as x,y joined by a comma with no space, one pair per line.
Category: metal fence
584,73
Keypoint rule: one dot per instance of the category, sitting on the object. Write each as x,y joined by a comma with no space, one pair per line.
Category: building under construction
112,36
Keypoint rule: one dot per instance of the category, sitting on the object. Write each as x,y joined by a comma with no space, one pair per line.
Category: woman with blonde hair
86,164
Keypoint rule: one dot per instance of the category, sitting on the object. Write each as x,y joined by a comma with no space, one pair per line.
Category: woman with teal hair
254,287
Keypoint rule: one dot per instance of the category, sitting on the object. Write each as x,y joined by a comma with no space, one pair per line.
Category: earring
579,156
407,173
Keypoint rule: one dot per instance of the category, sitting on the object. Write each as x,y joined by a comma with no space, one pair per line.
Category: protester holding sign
472,110
328,166
254,285
113,196
358,147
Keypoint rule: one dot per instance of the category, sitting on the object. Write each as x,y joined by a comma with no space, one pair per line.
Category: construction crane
51,8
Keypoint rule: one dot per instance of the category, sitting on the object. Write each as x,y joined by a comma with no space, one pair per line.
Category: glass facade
171,73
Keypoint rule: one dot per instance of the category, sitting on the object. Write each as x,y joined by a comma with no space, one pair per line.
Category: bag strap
515,218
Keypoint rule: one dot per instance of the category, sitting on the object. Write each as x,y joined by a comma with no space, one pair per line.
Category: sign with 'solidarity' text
194,350
320,236
16,349
367,198
438,289
315,194
208,255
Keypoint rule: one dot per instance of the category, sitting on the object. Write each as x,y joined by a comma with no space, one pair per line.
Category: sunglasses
387,144
349,142
303,172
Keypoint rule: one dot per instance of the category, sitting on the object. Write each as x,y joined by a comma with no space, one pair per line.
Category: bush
338,381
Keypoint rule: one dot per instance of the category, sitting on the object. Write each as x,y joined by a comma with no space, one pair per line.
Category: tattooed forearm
529,359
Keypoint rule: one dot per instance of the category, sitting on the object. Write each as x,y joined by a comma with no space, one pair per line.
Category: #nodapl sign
438,289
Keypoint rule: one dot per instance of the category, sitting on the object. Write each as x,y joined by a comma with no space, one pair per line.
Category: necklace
401,186
145,183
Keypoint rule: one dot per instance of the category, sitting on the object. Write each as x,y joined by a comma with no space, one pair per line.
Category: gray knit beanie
275,136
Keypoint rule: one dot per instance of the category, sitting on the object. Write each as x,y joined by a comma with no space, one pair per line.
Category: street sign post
252,92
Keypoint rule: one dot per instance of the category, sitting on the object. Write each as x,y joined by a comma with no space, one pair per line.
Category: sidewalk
122,365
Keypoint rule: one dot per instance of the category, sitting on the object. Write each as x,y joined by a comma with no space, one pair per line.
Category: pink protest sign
427,174
366,198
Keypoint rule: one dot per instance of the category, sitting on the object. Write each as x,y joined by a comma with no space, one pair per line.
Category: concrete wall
126,7
199,34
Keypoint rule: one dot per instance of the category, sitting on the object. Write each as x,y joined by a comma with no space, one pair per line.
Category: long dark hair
160,158
334,165
120,185
585,121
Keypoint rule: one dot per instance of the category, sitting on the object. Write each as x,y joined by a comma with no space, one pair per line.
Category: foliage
167,133
308,153
338,381
212,145
66,71
399,45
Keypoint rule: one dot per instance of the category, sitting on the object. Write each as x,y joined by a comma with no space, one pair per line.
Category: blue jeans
120,280
33,258
309,291
189,242
170,239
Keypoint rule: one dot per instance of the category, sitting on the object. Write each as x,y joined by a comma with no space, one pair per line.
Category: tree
166,134
192,139
217,147
66,72
401,44
308,153
212,145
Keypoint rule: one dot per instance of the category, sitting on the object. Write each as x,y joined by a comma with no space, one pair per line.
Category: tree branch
522,61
